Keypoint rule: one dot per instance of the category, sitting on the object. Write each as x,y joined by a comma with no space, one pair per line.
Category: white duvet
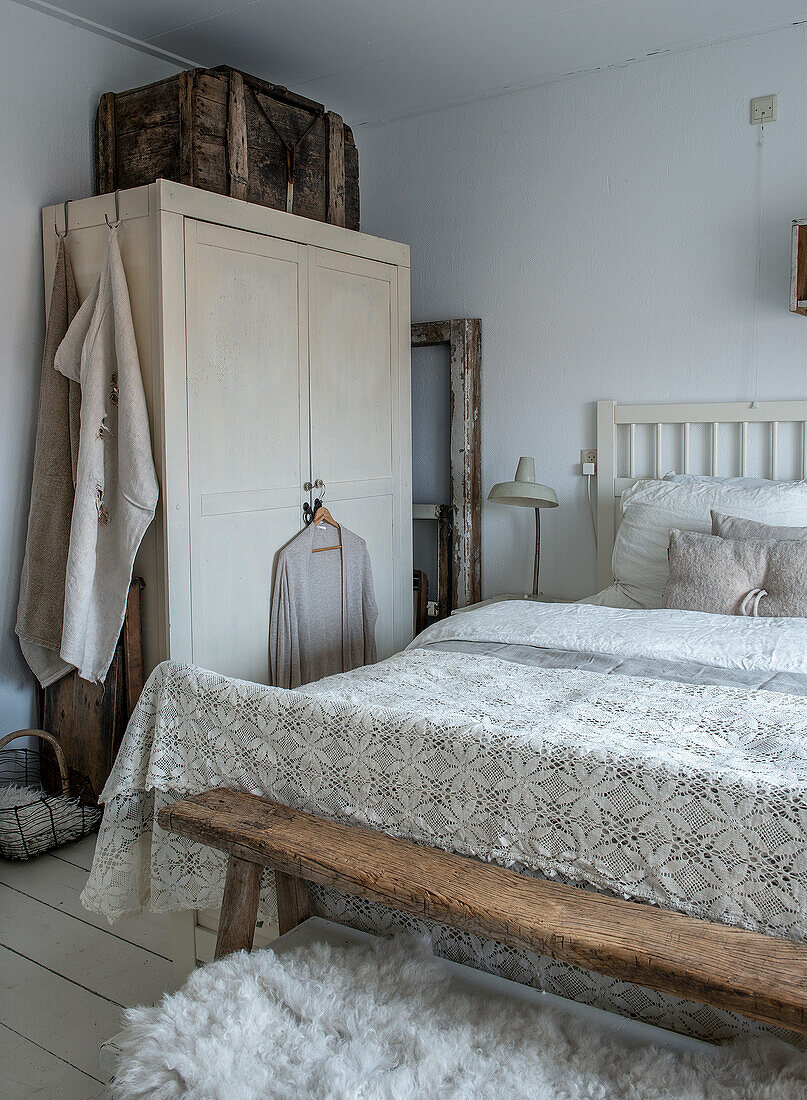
721,641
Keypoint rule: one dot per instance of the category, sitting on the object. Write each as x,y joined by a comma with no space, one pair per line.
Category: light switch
763,108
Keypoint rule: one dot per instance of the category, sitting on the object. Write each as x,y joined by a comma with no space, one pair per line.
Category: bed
657,755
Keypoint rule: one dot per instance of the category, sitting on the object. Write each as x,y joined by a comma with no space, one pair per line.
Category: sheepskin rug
378,1022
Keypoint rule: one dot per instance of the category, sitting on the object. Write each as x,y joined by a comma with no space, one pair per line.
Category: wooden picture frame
463,337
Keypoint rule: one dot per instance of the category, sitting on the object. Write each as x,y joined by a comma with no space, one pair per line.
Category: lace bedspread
693,797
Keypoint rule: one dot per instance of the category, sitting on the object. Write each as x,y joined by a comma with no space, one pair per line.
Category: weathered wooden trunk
228,132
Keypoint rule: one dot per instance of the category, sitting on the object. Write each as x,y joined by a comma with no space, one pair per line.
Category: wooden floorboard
79,854
30,1072
64,973
58,884
54,1013
119,971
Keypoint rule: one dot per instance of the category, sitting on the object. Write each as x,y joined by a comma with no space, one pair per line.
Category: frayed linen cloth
40,610
116,484
383,1020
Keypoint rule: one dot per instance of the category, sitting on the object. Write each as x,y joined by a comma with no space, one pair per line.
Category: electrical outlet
587,458
764,108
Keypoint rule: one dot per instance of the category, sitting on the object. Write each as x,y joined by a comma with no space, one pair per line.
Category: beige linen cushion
737,576
734,527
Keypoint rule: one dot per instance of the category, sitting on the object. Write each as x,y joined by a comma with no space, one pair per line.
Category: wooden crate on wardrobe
228,132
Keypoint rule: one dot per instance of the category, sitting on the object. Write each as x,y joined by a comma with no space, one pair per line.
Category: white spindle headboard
667,443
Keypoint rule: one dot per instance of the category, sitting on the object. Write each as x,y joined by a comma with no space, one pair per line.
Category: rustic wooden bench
746,972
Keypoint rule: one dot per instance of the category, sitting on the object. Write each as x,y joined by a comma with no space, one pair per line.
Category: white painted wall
605,230
51,75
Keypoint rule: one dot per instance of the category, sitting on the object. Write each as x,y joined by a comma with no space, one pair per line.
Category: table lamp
527,493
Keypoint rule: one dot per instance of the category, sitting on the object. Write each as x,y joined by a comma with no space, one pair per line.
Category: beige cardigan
323,608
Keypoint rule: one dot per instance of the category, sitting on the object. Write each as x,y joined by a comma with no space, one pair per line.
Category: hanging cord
760,188
591,509
750,602
288,149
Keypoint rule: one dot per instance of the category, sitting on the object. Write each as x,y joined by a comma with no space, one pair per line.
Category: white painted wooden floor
65,974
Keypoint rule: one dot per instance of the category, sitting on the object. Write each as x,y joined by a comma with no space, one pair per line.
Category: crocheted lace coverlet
688,796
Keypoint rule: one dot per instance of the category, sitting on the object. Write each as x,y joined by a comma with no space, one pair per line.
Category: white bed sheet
721,641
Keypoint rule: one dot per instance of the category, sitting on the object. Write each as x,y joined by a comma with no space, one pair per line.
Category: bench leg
239,909
293,905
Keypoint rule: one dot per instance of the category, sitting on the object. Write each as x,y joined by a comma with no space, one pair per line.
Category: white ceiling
378,59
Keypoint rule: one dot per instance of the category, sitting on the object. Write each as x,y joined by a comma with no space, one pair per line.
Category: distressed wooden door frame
463,337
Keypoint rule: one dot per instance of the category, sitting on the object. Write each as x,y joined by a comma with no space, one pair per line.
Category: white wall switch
763,108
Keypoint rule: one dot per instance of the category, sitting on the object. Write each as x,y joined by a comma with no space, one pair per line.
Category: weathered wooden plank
445,564
105,144
429,334
132,654
421,588
89,719
239,908
237,163
143,153
293,903
153,105
731,968
187,127
798,276
466,460
352,190
279,92
336,169
215,86
86,718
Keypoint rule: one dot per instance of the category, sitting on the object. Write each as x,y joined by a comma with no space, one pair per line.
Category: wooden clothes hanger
322,515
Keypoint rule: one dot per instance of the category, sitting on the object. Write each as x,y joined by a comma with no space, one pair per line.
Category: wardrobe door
248,423
360,436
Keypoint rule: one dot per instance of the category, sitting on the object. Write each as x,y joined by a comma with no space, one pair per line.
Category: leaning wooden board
89,719
746,972
226,131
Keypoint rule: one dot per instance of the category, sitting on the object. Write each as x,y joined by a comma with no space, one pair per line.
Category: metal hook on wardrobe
62,236
310,510
116,223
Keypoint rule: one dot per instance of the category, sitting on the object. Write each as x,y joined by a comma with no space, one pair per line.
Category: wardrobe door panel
357,378
352,367
233,587
247,374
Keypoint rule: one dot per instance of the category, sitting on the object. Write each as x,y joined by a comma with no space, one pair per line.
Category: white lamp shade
524,491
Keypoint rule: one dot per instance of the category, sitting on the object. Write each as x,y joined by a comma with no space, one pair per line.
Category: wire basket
32,820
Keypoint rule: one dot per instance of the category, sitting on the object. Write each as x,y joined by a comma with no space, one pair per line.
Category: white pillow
612,596
651,509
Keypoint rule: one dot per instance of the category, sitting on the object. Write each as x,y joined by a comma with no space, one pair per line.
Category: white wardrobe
275,351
